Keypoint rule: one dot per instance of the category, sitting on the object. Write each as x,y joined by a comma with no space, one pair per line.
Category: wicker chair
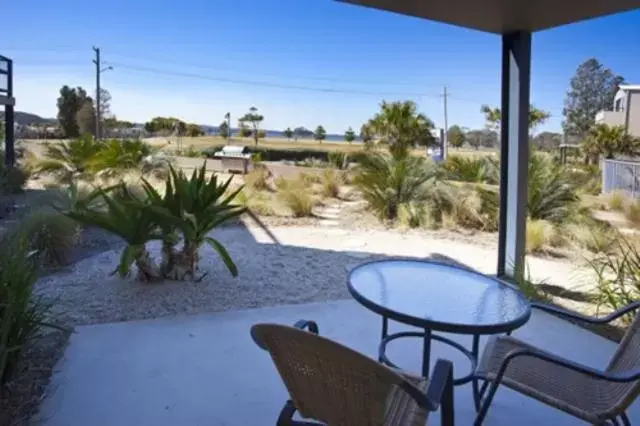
332,384
598,397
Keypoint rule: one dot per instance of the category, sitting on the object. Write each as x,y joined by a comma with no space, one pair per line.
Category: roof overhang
503,16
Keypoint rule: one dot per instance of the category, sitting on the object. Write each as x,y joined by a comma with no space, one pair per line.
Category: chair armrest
311,325
583,318
583,369
439,389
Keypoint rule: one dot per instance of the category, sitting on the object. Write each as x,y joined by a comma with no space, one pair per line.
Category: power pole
445,139
98,72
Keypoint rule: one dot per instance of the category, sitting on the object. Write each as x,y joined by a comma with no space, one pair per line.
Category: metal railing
621,175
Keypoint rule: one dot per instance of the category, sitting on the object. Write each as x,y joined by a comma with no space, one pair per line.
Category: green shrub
51,235
387,182
551,194
618,275
12,179
415,215
22,313
616,200
295,197
482,169
289,154
191,152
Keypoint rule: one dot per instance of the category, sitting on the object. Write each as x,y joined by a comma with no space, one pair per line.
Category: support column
9,136
514,152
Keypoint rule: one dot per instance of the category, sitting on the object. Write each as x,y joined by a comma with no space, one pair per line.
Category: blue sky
363,55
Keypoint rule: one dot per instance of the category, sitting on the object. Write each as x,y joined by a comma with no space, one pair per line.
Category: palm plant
472,169
399,125
387,182
70,160
117,156
609,141
551,194
195,206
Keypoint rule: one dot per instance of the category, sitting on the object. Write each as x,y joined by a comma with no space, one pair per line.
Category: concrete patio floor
206,370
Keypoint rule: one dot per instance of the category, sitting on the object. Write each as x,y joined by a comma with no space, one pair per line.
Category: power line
154,70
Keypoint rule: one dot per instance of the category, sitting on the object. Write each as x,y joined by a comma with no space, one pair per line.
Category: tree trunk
183,264
147,268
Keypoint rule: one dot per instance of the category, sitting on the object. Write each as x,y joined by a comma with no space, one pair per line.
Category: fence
619,175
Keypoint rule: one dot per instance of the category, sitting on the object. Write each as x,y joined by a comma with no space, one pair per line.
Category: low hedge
294,154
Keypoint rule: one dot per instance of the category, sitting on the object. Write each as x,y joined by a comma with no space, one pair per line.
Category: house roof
627,87
503,16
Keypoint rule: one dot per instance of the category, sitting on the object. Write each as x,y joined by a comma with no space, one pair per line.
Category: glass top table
440,297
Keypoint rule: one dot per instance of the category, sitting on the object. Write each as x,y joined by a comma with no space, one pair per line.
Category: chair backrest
328,382
625,359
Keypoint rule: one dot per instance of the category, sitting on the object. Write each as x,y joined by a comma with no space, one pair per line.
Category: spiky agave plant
129,217
195,206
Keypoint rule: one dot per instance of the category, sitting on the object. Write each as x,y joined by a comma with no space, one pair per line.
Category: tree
492,117
609,141
399,125
485,137
69,104
244,131
194,130
320,134
547,140
86,119
302,132
591,90
105,104
255,119
366,135
1,133
223,129
456,136
288,133
349,135
166,125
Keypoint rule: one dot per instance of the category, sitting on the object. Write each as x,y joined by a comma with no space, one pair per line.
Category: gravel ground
307,265
270,274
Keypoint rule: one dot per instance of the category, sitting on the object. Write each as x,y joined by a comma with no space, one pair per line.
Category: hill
25,118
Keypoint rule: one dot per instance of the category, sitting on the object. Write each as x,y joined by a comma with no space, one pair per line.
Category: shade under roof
503,16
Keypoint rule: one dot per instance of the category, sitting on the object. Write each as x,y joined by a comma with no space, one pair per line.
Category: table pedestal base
428,336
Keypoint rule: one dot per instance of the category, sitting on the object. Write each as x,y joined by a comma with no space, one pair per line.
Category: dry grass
332,180
632,212
296,197
539,235
594,238
258,178
259,203
616,200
